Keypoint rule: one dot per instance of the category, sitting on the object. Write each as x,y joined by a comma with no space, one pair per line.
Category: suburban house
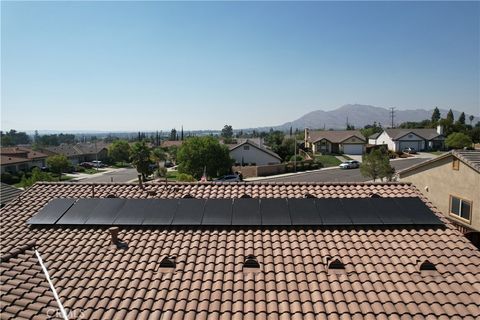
8,193
233,251
248,152
452,183
418,139
171,143
80,152
347,141
16,159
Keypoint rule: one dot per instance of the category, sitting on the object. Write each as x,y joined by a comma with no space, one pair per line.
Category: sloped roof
253,144
334,136
15,154
470,157
25,292
78,149
381,277
168,143
8,193
375,135
427,134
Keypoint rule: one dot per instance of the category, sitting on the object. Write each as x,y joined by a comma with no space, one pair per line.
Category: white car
351,164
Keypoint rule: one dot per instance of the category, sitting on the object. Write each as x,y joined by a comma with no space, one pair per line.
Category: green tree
458,140
58,164
198,153
376,165
471,117
435,116
227,133
140,156
173,135
450,117
461,119
369,129
119,151
158,155
37,175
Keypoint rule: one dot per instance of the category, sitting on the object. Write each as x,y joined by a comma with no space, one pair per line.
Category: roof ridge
16,251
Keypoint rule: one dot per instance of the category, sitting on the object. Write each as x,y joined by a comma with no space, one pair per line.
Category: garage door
353,148
409,144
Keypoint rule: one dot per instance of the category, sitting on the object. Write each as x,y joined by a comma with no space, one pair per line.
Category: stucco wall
252,155
385,139
442,181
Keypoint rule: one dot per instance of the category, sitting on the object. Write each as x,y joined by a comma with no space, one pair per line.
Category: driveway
120,175
339,175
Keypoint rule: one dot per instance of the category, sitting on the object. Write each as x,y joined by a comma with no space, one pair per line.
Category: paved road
123,175
338,175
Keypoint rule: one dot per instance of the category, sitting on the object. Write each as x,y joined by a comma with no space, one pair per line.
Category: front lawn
328,160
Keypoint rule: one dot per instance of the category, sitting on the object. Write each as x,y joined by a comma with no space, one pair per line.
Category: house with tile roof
15,159
452,182
252,153
254,271
418,139
335,141
8,193
80,152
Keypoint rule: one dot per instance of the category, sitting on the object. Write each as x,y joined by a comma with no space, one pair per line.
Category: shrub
9,178
185,177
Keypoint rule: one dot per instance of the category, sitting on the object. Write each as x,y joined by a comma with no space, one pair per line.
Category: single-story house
335,141
249,152
214,254
16,159
80,152
452,182
418,139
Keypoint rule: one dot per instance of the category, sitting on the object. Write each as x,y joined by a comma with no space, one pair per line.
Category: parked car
98,164
409,150
87,165
229,178
351,164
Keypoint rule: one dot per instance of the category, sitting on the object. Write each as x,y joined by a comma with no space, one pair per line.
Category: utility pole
392,115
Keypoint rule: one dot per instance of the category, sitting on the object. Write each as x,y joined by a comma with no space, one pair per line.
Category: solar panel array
236,212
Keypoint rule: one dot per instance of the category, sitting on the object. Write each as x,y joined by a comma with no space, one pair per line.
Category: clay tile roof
8,193
381,277
334,136
470,157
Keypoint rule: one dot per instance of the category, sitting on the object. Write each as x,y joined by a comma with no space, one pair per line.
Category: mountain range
360,115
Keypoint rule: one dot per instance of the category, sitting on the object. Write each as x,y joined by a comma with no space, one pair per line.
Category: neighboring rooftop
470,157
188,272
334,136
253,144
8,193
427,134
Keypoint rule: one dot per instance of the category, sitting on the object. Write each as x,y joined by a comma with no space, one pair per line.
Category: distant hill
359,116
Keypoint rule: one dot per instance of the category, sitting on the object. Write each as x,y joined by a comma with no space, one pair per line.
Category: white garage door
409,144
353,148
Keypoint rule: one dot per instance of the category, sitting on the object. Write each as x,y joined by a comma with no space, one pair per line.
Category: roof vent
427,266
168,262
111,195
336,265
115,240
375,195
251,262
244,196
308,195
187,196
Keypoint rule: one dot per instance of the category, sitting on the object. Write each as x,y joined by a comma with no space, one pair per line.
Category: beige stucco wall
442,181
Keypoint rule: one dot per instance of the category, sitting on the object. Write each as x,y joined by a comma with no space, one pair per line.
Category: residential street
120,175
339,175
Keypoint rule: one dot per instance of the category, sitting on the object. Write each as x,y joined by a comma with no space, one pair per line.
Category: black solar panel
304,212
105,211
79,212
246,212
361,211
390,212
52,211
331,212
417,210
159,212
189,212
275,212
218,212
132,212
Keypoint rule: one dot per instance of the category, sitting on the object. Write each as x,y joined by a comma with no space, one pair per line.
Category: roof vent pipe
113,234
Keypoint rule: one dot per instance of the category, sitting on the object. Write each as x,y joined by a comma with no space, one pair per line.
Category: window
460,208
455,164
246,147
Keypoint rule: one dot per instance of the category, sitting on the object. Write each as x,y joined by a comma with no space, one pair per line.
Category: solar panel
304,212
218,212
390,212
275,212
106,211
361,211
79,212
246,212
132,212
159,212
418,211
332,212
189,212
52,211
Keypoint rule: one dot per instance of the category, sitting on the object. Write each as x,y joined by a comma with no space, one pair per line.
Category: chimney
440,129
114,234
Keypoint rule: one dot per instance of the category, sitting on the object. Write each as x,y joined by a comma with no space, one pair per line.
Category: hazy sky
158,65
